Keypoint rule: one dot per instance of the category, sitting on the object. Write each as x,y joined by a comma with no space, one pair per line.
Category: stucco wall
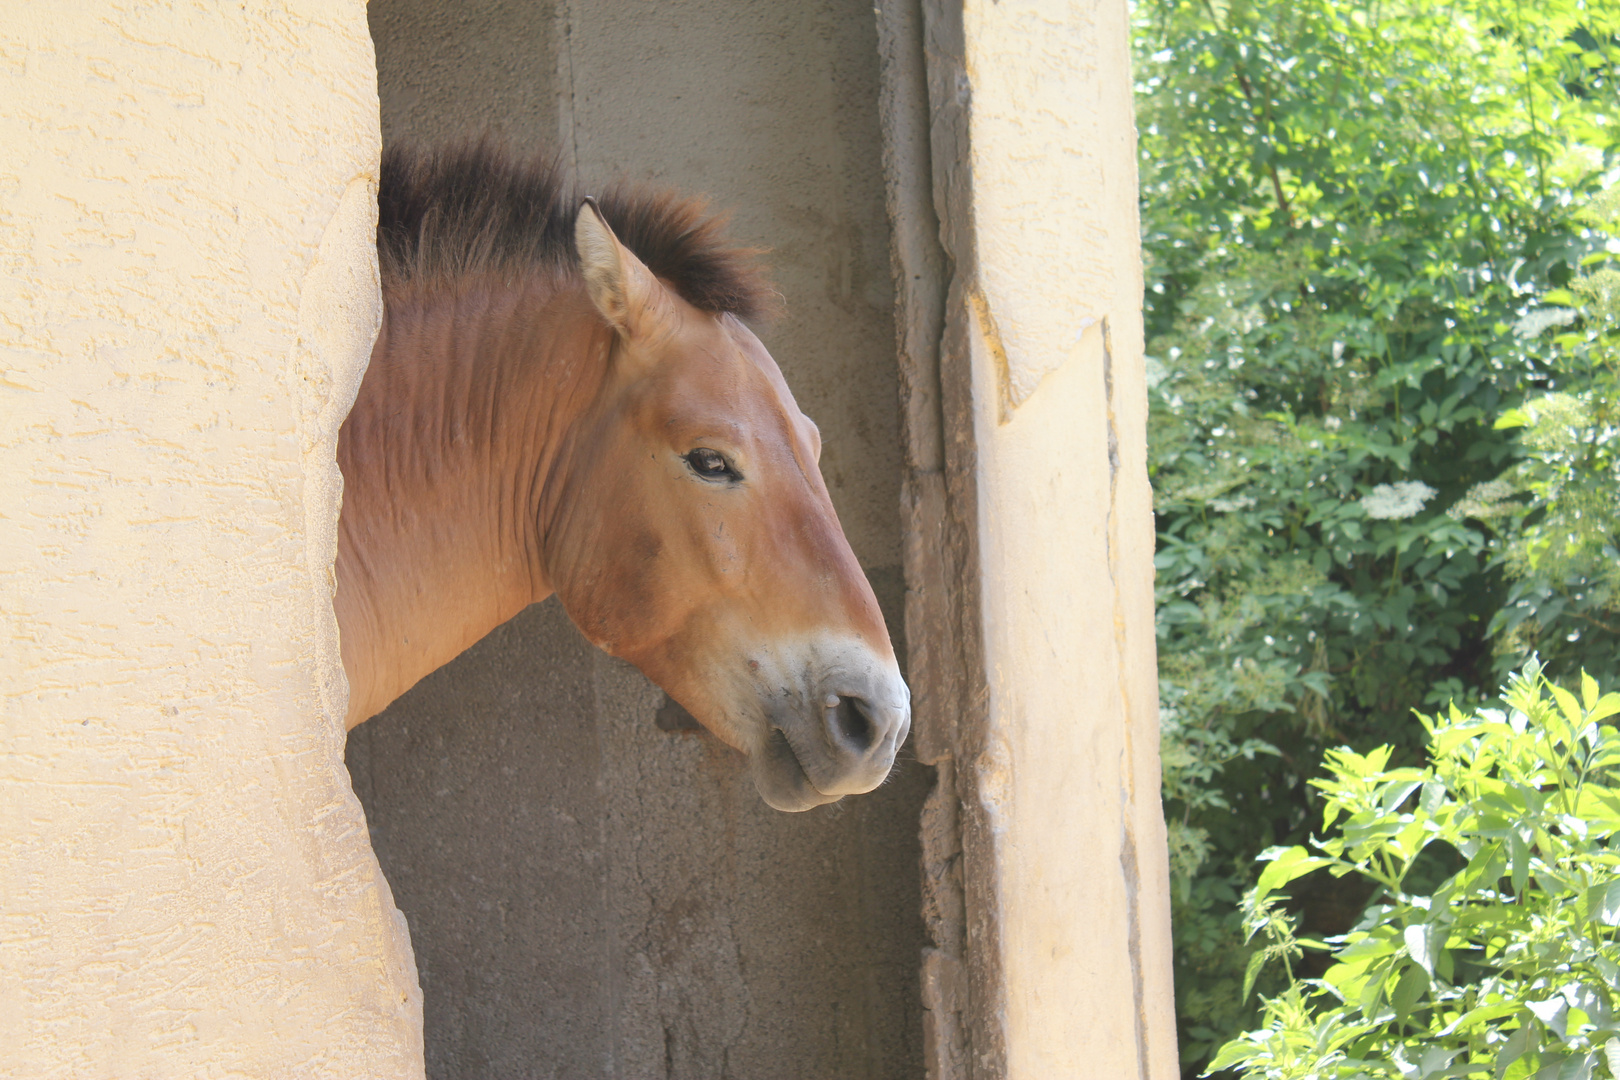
1066,538
590,895
186,209
1030,538
188,299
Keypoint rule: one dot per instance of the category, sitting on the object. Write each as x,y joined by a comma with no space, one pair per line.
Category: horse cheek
631,593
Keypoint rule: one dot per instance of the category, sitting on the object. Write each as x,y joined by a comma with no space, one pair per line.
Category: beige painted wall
1030,539
187,301
1069,770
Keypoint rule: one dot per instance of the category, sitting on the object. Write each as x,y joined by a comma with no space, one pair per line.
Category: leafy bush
1491,945
1556,513
1383,402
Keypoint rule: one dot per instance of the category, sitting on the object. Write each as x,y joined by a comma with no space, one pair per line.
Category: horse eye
711,464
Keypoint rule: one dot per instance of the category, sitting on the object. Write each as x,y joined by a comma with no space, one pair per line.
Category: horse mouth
781,779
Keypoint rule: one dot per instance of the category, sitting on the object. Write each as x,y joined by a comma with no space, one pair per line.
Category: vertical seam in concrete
614,972
1127,793
930,252
985,322
565,58
959,604
1128,867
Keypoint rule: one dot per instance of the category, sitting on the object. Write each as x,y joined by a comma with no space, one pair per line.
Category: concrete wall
590,895
1008,172
187,301
189,294
1012,188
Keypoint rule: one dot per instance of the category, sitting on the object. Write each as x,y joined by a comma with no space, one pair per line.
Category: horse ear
618,283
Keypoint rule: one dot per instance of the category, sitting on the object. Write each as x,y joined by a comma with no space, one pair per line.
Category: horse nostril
851,724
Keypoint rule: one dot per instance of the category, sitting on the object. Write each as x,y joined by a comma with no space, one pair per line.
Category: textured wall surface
590,896
1029,539
187,300
464,68
1068,772
1066,527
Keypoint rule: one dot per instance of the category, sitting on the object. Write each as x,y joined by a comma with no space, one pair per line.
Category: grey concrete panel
590,895
771,110
452,69
484,797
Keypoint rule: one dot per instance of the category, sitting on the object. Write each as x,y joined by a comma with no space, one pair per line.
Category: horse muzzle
821,746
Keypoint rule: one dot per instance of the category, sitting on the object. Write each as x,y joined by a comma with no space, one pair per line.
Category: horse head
687,529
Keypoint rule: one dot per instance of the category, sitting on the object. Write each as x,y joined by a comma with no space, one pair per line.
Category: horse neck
458,422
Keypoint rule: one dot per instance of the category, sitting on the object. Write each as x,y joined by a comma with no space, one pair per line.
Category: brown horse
563,399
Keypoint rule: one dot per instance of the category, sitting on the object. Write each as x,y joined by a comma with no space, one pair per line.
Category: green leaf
1252,972
1413,984
1395,793
1520,1043
1567,705
1419,940
1603,902
1577,1067
1605,707
1518,861
1233,1053
1482,1014
1287,864
1553,1014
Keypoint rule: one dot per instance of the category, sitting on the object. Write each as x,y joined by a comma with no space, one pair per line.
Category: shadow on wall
591,896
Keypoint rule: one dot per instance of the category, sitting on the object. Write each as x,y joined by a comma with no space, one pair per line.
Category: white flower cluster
1532,323
1391,502
1485,501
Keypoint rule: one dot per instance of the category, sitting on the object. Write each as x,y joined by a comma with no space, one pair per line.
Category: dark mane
474,208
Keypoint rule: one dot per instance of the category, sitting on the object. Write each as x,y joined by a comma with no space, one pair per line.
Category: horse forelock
474,209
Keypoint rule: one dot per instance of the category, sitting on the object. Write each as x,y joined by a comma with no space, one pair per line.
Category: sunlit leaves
1510,964
1351,215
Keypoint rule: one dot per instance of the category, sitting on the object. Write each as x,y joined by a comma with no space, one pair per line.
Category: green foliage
1557,512
1491,945
1379,315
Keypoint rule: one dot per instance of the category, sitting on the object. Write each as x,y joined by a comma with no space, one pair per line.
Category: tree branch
1271,167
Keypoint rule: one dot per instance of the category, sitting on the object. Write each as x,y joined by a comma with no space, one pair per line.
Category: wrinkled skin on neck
505,447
